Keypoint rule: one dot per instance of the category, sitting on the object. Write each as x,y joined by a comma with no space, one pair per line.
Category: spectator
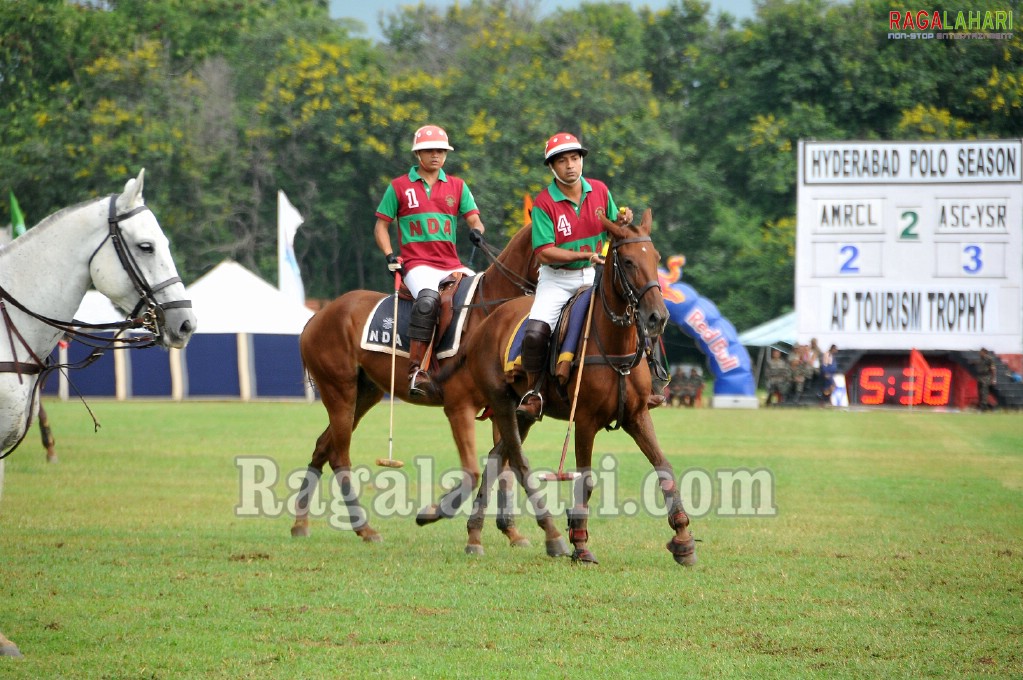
829,366
987,375
779,378
814,356
802,371
675,387
691,386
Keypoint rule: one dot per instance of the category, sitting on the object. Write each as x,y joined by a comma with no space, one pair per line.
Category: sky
368,11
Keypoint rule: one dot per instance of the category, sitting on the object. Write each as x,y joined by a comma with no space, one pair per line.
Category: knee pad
535,341
424,315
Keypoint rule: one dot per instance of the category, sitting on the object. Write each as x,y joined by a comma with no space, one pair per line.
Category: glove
476,237
393,263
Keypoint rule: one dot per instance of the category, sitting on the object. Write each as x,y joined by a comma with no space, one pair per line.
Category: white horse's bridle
154,314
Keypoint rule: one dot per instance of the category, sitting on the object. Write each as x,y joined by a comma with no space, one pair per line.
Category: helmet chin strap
568,184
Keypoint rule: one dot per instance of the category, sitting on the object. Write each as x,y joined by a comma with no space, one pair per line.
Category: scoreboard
911,245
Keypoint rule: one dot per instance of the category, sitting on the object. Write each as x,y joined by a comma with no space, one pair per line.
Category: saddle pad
376,333
576,320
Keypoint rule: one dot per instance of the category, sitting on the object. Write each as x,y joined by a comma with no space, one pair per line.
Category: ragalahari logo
932,24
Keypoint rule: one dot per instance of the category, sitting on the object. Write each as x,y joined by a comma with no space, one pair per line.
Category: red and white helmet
560,143
431,137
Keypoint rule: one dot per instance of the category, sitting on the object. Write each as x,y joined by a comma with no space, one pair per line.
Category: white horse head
112,243
141,267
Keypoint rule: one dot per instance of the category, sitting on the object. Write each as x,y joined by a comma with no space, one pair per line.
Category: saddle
565,339
455,292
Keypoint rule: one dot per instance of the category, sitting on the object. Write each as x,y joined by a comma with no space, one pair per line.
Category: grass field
892,546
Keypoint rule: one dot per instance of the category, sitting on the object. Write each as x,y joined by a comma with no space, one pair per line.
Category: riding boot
422,325
535,343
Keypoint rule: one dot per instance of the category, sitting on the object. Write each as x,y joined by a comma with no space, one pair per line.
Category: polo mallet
561,475
389,461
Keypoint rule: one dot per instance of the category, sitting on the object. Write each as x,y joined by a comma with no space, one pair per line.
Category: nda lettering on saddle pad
376,334
567,338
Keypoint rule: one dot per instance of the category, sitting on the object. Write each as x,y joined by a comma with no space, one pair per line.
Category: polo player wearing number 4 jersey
426,203
568,240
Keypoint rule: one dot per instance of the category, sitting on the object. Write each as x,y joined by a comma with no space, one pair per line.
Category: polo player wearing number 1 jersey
426,204
568,240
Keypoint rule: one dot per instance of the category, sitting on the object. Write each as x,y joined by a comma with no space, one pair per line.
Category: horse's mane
44,224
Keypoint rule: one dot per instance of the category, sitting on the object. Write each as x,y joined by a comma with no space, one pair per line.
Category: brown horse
615,386
352,380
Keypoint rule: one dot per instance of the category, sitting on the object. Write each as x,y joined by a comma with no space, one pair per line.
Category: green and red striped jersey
427,217
557,221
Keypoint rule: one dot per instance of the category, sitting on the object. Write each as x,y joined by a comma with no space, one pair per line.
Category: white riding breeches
424,276
555,288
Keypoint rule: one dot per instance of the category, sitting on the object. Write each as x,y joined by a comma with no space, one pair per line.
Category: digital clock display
892,380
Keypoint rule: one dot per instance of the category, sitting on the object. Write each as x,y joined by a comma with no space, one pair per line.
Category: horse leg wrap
309,482
578,535
357,518
684,551
679,520
475,521
505,522
577,532
452,500
505,519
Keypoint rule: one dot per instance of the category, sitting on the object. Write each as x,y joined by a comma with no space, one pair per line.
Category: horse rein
519,281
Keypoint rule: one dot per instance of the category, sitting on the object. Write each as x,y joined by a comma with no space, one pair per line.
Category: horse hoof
428,515
474,549
521,543
684,553
558,548
300,531
52,458
584,557
8,648
373,538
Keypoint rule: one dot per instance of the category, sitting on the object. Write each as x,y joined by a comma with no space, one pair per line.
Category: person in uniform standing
987,374
779,378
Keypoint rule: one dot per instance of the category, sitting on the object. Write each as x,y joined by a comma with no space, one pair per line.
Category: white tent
245,345
781,329
770,333
97,308
244,321
231,299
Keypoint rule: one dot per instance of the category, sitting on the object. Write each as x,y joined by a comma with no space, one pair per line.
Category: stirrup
523,407
421,389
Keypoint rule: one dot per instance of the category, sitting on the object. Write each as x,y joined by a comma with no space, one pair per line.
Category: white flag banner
289,277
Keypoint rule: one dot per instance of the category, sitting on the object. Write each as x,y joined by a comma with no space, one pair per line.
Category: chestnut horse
352,380
627,309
